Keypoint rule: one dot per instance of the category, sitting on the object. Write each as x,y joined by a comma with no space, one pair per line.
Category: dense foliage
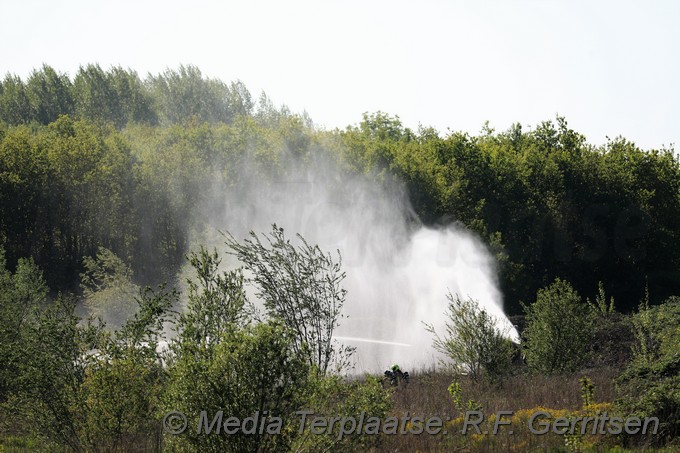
84,386
472,340
133,164
650,385
559,329
105,178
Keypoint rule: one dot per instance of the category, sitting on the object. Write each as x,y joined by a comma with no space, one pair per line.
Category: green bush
22,294
222,360
249,371
122,399
650,385
302,287
612,333
559,329
472,341
107,287
334,396
82,388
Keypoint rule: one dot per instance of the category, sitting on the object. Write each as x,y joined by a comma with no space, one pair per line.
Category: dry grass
427,395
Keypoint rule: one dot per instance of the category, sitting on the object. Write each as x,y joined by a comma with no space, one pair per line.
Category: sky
610,67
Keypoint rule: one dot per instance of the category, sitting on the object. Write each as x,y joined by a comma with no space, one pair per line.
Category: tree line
106,159
119,96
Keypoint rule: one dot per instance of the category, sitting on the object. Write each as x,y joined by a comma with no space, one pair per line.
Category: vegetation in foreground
85,387
78,385
104,178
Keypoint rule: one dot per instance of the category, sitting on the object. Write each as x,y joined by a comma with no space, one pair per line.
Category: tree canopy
108,159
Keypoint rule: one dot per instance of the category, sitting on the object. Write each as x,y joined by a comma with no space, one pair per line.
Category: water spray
370,340
399,272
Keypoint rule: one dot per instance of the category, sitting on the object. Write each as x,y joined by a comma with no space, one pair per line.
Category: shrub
612,333
217,300
249,371
222,360
334,396
86,389
559,329
22,294
301,286
122,398
108,288
650,385
472,340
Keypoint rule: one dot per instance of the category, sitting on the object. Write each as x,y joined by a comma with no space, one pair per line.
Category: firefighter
396,376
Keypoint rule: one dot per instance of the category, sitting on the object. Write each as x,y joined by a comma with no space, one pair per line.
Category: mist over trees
108,159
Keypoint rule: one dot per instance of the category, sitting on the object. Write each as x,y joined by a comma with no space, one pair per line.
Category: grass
427,395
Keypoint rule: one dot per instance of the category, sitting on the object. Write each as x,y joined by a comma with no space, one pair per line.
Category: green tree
185,95
49,94
15,105
217,301
121,398
472,340
95,96
123,385
107,287
559,329
221,362
83,388
301,286
240,100
24,196
22,294
55,354
91,192
135,103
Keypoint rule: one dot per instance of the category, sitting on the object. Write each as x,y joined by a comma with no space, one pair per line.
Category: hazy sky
611,67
